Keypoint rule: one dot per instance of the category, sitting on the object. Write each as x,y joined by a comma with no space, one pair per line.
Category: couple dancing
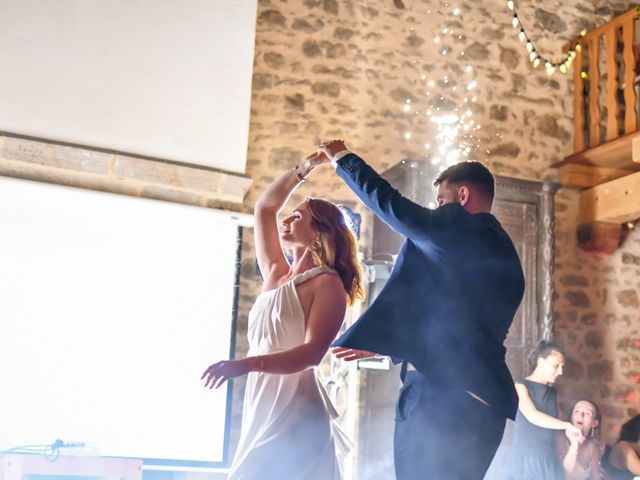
444,312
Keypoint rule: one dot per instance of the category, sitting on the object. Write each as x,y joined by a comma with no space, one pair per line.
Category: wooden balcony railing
606,158
618,80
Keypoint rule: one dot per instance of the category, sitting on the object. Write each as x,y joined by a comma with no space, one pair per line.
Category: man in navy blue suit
444,312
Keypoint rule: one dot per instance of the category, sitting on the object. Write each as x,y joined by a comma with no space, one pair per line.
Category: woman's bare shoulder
327,283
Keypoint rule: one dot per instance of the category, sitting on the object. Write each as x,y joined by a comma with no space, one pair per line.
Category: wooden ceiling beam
584,176
621,153
616,201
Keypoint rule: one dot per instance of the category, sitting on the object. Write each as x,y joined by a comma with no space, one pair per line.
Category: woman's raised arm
271,259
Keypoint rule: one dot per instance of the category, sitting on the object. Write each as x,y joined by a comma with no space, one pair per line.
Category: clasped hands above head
326,151
323,154
331,148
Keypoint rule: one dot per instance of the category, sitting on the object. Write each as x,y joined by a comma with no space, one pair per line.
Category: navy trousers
443,433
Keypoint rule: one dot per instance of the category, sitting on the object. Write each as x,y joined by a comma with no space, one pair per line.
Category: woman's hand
573,438
220,372
350,354
311,162
330,149
574,434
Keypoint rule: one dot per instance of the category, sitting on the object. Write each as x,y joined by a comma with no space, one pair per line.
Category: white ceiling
162,78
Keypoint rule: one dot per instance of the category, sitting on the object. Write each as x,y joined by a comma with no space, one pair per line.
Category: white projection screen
111,308
160,78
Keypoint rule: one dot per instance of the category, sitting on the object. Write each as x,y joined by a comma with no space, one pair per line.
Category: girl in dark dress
533,454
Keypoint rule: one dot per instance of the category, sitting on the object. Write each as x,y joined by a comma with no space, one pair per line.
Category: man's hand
330,149
350,354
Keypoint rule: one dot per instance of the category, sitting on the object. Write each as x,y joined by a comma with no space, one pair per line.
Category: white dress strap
312,272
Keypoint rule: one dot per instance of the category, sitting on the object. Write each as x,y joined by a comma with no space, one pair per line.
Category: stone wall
370,72
597,313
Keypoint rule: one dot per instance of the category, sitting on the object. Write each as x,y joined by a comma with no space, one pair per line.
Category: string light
534,55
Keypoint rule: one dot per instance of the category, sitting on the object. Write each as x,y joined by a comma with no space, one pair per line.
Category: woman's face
550,368
297,229
583,416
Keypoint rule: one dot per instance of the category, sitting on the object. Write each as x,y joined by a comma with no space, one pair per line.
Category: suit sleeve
401,214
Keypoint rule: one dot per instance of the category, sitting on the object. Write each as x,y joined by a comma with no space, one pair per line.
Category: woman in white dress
287,430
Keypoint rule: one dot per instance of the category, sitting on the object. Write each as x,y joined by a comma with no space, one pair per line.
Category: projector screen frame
240,220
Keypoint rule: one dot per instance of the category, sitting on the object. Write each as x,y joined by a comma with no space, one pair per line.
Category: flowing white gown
288,428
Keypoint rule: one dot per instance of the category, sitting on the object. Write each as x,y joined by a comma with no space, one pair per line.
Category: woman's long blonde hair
336,246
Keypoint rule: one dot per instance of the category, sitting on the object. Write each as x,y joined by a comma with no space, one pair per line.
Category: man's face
447,194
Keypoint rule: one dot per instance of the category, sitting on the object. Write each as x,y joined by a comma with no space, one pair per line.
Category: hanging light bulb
550,70
522,36
536,62
510,5
578,48
515,22
547,65
532,56
529,47
563,68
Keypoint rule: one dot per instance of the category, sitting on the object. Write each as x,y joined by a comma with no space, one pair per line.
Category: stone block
627,395
577,299
57,156
628,298
573,369
594,340
601,371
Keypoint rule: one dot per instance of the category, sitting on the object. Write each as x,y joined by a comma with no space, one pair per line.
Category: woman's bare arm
271,259
326,314
535,416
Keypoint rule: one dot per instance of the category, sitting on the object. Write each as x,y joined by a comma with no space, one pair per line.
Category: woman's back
528,435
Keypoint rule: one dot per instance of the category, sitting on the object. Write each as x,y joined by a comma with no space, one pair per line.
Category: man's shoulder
450,211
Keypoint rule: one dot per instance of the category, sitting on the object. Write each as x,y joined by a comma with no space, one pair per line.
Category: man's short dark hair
473,173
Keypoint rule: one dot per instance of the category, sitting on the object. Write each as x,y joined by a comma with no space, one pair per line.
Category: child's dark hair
543,350
630,431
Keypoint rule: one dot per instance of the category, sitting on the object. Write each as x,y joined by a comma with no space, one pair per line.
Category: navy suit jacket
451,296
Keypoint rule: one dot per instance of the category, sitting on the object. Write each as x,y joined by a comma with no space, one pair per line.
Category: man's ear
463,195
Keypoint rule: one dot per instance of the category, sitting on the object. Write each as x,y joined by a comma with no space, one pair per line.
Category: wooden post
578,103
630,115
613,109
594,92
